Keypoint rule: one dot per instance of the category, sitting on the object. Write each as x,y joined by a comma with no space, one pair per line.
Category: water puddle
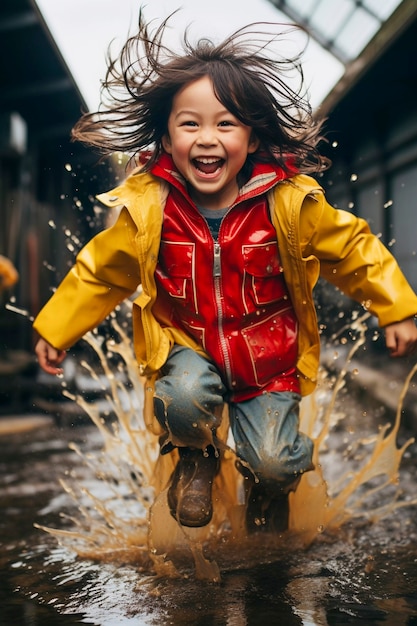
106,551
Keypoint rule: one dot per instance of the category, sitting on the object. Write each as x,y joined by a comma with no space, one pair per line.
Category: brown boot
189,496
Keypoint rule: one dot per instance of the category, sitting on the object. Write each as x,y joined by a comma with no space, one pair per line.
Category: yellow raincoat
314,239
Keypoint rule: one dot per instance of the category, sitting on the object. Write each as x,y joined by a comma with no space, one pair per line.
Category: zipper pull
216,264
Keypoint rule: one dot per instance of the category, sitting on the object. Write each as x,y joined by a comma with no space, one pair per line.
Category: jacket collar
264,177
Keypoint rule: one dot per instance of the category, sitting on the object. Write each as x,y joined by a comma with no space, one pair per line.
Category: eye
226,123
189,123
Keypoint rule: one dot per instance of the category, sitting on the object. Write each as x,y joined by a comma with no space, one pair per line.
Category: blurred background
360,67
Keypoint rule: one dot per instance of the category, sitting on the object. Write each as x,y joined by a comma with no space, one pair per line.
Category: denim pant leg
265,429
189,398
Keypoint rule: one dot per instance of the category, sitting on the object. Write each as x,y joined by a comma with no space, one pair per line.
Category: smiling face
208,144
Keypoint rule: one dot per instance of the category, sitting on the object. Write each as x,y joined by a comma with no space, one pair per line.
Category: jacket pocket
272,345
263,278
175,272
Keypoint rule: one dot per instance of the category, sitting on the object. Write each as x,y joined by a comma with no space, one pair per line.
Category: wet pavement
363,574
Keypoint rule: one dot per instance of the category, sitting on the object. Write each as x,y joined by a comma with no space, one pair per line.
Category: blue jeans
189,399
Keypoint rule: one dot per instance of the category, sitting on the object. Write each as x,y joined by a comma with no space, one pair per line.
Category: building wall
378,181
372,134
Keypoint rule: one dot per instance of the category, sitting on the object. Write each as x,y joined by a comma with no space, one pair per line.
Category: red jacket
229,295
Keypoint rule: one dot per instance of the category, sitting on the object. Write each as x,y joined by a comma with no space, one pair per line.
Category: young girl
226,235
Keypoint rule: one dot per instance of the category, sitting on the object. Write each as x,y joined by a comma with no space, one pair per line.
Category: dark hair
248,80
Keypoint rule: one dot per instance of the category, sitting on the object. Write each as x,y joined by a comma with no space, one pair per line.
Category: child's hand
401,337
49,357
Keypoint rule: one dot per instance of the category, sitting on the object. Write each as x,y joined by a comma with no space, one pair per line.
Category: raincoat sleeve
105,273
355,260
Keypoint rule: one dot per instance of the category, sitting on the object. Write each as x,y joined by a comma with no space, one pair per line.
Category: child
226,234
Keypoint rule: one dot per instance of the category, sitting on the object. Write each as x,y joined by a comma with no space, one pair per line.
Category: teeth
208,160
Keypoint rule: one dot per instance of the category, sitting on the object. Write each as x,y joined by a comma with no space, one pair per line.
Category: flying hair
249,78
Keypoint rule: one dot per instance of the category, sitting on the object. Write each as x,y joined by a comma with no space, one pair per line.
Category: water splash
332,502
123,515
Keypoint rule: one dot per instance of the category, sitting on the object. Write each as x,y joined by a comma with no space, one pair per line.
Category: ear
166,143
253,144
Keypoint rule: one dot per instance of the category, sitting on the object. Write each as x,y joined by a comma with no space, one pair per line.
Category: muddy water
363,574
350,556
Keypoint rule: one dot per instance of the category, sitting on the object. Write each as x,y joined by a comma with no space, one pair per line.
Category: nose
207,136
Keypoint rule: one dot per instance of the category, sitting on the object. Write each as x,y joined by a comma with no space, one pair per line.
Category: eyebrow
186,112
223,111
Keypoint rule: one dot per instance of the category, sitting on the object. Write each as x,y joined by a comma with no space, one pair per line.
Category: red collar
264,177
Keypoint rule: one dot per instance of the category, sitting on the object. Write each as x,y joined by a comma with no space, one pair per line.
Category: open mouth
208,165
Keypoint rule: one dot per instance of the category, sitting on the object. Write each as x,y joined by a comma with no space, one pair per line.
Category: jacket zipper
217,276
